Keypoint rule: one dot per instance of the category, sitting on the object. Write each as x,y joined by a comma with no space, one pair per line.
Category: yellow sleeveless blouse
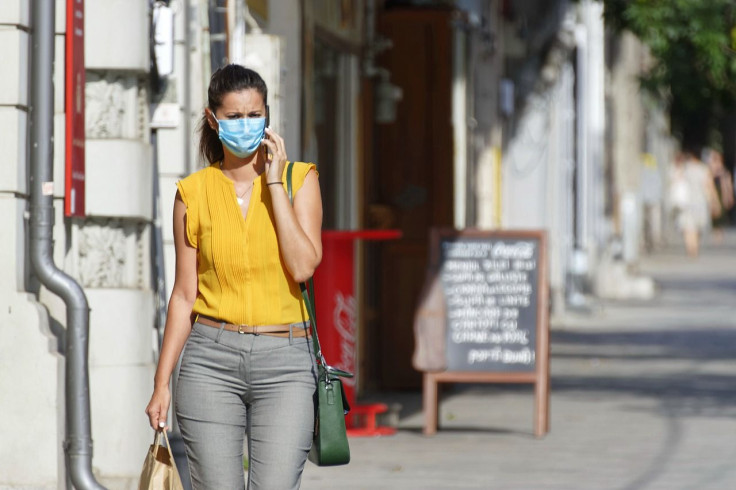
241,276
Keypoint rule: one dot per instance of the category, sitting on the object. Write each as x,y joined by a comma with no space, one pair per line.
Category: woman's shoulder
199,175
198,179
301,169
299,173
304,166
192,185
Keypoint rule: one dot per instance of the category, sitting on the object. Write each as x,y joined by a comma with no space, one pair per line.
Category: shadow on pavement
667,344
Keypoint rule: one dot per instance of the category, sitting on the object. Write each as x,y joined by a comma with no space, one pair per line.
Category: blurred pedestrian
236,309
651,198
692,198
723,187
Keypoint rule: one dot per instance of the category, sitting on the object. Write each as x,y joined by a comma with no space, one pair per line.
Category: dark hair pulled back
227,79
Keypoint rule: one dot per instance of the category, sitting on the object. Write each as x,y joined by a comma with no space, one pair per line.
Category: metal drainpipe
187,121
78,443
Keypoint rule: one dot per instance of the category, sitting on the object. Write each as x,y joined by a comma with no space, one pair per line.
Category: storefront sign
74,107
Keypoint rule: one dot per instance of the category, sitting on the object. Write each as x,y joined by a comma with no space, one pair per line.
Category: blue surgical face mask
241,137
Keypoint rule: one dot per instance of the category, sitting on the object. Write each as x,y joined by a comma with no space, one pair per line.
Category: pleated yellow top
242,278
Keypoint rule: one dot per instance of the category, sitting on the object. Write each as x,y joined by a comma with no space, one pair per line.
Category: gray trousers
230,383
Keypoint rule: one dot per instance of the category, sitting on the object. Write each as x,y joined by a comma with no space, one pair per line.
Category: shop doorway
409,186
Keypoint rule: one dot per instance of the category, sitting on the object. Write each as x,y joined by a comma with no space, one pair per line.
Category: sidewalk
643,397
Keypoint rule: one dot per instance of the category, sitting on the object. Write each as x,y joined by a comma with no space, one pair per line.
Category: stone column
109,250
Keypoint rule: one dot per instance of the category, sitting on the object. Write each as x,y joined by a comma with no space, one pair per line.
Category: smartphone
268,123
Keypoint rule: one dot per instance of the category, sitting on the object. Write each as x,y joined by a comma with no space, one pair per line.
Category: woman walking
693,199
236,309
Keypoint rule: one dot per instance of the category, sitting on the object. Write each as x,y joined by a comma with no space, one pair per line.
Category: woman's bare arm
299,227
178,320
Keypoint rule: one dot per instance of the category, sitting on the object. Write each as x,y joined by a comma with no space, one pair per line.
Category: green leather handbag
330,445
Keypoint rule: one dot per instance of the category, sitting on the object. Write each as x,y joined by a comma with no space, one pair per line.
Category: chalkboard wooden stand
538,374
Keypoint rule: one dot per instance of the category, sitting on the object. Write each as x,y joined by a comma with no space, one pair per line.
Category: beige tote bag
159,470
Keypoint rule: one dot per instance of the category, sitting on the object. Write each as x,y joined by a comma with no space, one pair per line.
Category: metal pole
78,443
157,250
187,96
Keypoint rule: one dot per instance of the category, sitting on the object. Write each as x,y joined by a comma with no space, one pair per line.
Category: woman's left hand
276,161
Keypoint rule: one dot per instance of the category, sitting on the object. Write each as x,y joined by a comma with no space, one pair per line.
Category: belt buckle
240,329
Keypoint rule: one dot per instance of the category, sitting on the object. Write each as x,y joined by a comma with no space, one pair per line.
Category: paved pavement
643,397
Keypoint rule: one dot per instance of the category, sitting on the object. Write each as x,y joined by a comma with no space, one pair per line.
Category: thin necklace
239,198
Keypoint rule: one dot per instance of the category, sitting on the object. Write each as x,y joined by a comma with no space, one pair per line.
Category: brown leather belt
272,330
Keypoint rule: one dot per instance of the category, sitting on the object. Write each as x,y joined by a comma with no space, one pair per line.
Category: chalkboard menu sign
491,287
496,323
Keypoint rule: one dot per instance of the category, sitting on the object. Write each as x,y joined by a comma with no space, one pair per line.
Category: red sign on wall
74,107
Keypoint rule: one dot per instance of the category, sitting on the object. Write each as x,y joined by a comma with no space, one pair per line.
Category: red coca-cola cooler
337,321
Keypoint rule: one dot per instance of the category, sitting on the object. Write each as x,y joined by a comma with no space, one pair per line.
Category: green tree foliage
693,45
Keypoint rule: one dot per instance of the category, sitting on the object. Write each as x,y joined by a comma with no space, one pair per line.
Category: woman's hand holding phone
275,156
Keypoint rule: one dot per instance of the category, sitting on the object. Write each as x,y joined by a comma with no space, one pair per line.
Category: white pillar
590,127
459,126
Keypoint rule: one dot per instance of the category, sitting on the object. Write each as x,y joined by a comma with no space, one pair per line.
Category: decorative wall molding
111,253
116,106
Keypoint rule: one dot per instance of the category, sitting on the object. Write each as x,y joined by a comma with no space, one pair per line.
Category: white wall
177,144
31,403
107,252
29,365
110,249
539,163
285,21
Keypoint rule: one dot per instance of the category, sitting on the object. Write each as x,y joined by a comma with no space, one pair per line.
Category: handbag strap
307,289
